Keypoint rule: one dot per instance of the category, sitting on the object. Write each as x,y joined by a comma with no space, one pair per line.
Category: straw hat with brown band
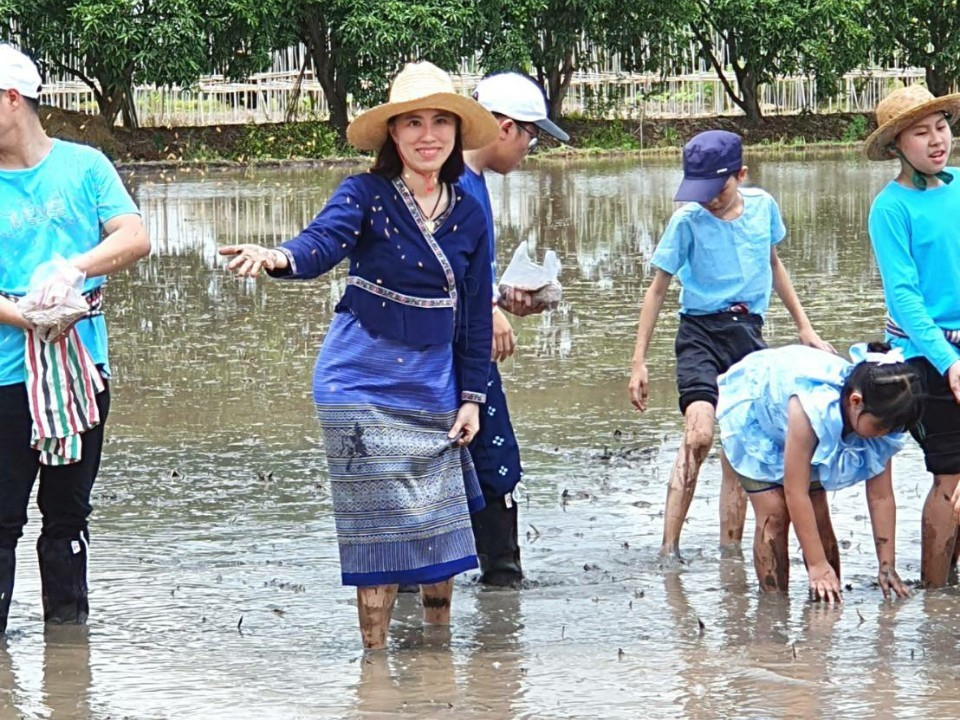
423,86
901,109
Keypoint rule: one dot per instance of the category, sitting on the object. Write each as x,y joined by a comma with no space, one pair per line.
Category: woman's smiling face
424,139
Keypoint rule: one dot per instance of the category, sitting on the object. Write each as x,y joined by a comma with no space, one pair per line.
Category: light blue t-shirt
475,184
722,262
753,410
916,241
57,207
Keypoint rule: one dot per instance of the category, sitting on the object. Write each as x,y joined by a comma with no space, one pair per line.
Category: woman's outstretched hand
248,260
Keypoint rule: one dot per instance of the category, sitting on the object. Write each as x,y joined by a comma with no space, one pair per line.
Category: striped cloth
952,336
62,385
402,491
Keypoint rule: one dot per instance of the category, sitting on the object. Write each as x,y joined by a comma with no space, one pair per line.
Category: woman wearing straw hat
914,232
404,365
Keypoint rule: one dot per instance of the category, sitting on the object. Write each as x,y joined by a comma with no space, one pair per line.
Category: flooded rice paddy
215,587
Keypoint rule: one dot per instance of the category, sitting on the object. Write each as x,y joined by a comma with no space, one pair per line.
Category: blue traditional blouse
405,282
752,412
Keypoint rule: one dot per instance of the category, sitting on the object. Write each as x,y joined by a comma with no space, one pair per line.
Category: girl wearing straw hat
913,229
404,365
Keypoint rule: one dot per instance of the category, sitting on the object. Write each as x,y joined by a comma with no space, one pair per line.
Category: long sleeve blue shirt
398,286
916,240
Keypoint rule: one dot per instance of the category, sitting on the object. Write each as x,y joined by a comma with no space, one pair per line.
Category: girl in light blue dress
794,422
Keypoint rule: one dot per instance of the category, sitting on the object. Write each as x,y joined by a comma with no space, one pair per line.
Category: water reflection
214,567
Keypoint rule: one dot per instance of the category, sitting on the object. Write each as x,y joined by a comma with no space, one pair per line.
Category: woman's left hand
467,424
809,337
889,580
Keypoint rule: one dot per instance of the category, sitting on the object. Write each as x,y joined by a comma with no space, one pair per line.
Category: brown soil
173,145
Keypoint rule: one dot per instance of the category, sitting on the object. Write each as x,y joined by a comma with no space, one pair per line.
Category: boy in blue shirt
913,229
57,200
519,105
722,247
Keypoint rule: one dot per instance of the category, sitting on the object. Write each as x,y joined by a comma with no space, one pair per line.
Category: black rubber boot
63,576
495,532
8,567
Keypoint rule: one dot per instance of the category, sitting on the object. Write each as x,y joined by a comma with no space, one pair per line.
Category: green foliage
670,137
857,130
358,46
921,33
768,38
608,135
559,37
112,45
288,141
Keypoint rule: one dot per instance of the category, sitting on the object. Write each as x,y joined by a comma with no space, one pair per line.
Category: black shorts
707,345
938,431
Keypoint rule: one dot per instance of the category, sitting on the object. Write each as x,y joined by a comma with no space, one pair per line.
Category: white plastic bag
542,280
54,299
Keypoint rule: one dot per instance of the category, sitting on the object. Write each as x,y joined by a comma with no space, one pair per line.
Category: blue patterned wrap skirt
402,492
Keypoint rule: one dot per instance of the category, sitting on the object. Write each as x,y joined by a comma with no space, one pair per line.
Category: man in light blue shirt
57,200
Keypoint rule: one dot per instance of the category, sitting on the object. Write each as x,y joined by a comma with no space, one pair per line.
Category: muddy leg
953,578
821,512
697,439
436,602
939,532
770,549
374,607
733,506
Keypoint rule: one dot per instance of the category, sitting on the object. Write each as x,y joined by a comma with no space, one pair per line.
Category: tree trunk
110,103
130,119
323,53
749,100
750,92
558,82
937,81
116,97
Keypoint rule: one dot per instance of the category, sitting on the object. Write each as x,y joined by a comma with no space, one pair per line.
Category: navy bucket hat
708,160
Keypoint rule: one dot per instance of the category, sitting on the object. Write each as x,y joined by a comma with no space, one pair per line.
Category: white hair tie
890,357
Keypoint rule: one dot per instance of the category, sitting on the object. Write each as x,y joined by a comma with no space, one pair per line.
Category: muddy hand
248,260
890,580
639,386
518,302
824,584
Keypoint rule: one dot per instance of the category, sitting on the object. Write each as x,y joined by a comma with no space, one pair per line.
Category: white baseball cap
17,72
519,97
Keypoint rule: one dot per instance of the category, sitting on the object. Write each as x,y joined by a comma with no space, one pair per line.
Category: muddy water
215,588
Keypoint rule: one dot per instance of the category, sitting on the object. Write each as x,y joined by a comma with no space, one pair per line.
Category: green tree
921,33
113,45
758,40
558,38
357,46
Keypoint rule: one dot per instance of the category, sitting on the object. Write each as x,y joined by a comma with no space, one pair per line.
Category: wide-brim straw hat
423,86
901,109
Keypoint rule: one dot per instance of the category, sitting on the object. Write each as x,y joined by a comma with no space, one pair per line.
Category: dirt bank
242,143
